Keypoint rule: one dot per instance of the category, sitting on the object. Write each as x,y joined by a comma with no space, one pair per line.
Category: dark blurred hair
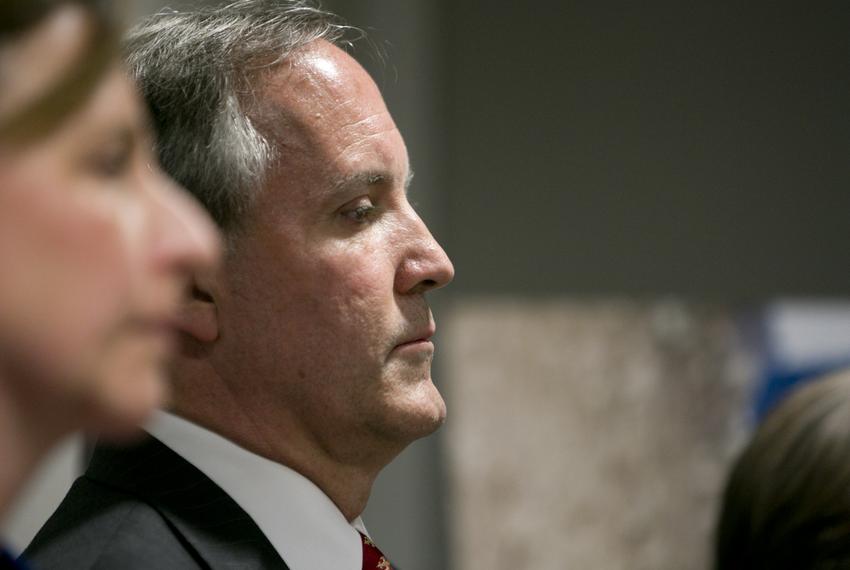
48,109
787,500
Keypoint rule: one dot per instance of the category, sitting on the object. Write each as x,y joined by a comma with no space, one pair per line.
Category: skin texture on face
96,249
323,327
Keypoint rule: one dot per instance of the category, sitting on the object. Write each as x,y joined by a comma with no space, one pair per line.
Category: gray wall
698,148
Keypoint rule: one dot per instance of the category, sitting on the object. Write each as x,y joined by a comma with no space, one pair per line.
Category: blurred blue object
802,341
777,384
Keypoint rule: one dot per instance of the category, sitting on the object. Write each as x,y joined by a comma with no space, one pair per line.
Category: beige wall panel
589,434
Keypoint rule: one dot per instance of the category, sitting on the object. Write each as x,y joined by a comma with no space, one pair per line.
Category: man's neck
348,486
347,483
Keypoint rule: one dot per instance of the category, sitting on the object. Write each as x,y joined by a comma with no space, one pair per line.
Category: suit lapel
219,531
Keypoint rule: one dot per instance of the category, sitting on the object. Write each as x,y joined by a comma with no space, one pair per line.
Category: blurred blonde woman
787,500
96,244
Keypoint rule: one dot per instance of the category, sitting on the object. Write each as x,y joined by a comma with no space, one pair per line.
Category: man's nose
425,265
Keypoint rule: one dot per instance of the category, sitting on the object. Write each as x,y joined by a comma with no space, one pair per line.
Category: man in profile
306,360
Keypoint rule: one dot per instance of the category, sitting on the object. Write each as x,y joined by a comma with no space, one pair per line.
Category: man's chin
423,414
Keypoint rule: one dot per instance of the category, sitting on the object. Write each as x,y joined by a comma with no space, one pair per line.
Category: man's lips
421,337
413,343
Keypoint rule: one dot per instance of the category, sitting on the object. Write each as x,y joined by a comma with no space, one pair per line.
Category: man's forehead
317,78
334,135
323,103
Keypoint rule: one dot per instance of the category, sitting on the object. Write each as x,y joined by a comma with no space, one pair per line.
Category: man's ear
198,316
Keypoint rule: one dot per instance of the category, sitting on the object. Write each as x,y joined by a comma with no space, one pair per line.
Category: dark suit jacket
146,507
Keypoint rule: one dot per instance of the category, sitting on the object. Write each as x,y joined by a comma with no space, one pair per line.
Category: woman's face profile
96,244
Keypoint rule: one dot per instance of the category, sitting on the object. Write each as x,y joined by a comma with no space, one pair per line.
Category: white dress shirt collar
301,522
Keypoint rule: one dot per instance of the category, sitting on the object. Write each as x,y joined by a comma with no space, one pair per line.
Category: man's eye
361,211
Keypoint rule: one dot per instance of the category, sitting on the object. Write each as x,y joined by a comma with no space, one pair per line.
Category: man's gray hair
195,70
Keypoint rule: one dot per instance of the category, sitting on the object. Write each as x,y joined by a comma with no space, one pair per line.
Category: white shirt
303,525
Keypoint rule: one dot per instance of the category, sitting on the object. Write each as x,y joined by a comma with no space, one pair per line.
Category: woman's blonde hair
47,111
787,501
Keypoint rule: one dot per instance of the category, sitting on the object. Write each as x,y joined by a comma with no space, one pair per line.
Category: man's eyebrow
368,178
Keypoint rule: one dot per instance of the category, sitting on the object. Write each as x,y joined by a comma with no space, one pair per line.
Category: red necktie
373,559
